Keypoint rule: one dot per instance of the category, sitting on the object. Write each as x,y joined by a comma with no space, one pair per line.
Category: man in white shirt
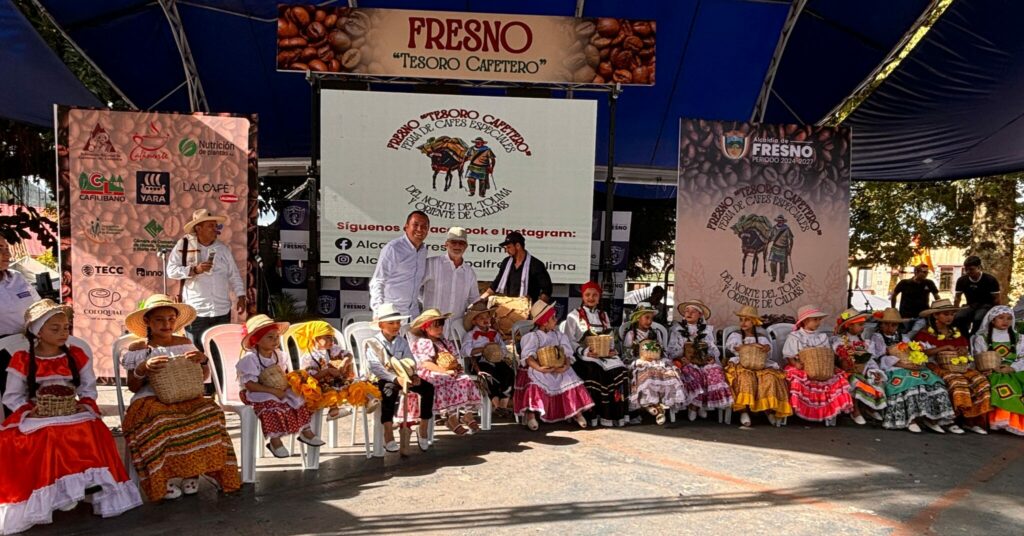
208,273
450,284
401,267
16,295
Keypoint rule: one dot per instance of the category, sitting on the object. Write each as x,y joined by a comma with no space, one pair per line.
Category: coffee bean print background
127,184
376,42
735,180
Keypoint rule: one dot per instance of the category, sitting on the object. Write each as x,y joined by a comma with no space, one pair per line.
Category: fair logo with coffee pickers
778,194
463,152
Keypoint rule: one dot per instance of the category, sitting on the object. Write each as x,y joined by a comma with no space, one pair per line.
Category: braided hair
33,385
1009,331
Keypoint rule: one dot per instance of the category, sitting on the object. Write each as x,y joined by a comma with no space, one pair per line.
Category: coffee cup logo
103,298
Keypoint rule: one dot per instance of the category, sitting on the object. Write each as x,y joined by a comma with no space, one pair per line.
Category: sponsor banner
490,165
128,183
465,46
294,224
762,216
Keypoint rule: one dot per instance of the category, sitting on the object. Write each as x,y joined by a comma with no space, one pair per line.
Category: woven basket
447,361
509,310
273,377
819,362
895,351
551,356
54,404
945,360
178,381
752,356
599,345
649,355
987,361
493,353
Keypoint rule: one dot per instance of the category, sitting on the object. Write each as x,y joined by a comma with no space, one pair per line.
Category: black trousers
390,392
501,378
195,332
5,360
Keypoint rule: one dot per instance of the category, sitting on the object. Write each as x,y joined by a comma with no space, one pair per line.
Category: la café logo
149,144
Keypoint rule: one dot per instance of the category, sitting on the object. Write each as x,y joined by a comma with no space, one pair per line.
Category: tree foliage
886,216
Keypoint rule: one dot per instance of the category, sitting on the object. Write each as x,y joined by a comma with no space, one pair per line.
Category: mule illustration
755,234
446,154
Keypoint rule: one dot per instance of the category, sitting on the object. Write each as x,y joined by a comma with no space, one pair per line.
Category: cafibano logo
98,187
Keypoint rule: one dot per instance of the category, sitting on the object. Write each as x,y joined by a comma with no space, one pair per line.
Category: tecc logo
90,270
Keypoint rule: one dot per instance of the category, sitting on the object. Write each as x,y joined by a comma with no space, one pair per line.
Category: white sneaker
636,420
830,421
278,452
68,507
954,429
342,412
744,419
933,427
391,446
874,414
173,491
692,414
914,428
772,420
703,413
190,486
423,443
978,430
859,419
312,442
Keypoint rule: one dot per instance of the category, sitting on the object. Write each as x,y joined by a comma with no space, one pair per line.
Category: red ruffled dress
47,463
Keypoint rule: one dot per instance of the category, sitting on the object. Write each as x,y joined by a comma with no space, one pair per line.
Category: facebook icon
343,243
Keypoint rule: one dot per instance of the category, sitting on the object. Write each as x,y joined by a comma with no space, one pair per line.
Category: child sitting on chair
333,370
813,400
280,410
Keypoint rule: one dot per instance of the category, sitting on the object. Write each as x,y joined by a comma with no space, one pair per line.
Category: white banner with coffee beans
127,184
763,216
489,164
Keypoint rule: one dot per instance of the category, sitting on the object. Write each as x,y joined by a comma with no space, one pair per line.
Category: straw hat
539,309
258,323
43,309
202,215
457,234
848,318
889,316
808,311
387,313
641,310
474,311
430,315
705,310
136,321
749,311
404,369
940,306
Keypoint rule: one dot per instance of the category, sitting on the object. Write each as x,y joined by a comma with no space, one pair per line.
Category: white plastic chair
778,333
355,334
116,351
228,339
454,331
729,330
355,316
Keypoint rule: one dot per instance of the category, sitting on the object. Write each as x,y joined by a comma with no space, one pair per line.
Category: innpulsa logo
189,147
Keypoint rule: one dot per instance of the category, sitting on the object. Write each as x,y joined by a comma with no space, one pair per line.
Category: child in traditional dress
606,377
280,410
969,391
691,345
333,371
756,390
855,357
655,384
454,391
551,393
997,334
913,394
488,355
49,462
813,400
192,434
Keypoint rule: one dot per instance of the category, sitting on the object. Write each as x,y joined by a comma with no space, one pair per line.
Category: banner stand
606,267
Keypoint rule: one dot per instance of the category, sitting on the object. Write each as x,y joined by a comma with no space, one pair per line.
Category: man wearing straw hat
209,275
450,283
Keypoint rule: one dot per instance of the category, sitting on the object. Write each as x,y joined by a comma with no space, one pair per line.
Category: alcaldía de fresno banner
491,165
465,46
127,184
762,216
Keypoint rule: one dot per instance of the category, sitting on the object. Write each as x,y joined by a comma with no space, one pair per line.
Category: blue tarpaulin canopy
954,102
